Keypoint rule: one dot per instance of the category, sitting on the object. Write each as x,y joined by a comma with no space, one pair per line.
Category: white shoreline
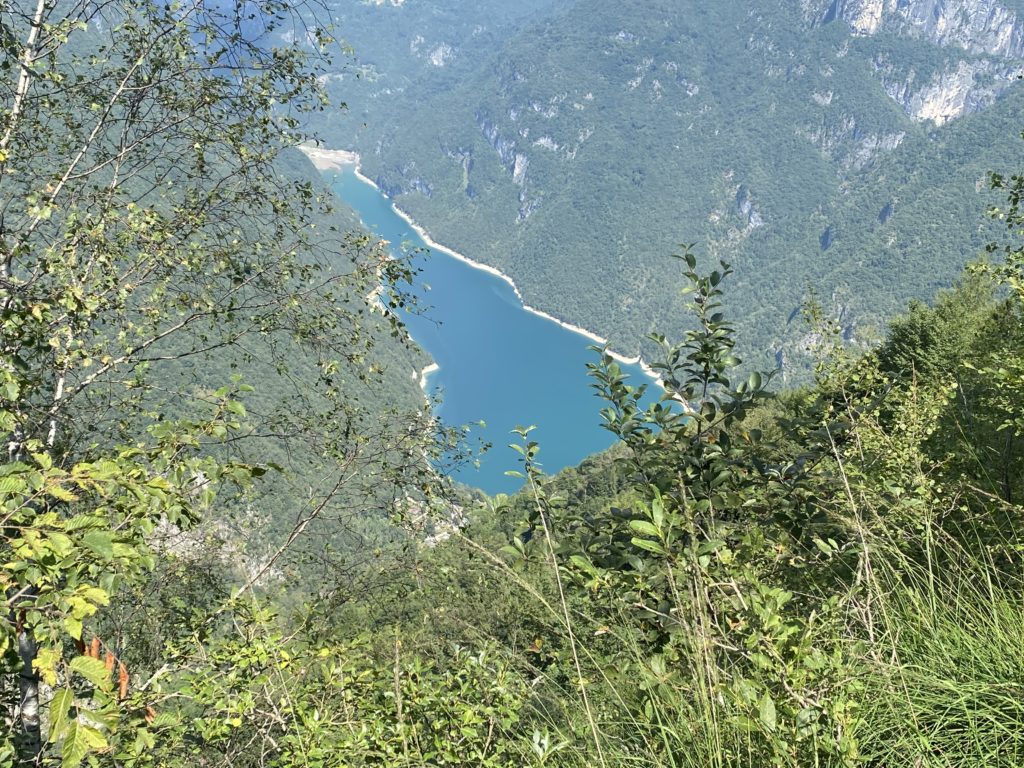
334,159
426,373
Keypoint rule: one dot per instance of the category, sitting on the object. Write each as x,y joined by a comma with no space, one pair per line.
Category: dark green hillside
190,379
286,412
824,576
596,139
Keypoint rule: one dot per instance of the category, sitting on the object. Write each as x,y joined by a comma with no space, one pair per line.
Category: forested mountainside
287,417
814,145
400,50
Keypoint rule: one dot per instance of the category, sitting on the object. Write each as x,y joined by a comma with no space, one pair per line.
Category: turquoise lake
498,363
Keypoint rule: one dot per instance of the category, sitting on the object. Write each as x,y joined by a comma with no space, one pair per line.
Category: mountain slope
811,144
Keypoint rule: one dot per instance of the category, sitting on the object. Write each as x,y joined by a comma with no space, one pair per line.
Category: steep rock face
842,139
864,16
963,87
979,26
953,93
515,162
745,205
990,34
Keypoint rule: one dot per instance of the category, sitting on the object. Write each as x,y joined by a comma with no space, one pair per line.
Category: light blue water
498,363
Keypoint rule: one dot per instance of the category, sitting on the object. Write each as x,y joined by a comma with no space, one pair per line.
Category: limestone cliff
984,27
984,37
968,86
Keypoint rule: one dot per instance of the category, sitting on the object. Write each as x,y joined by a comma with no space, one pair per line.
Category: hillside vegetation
225,541
827,576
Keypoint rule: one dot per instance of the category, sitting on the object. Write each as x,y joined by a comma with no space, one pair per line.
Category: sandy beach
335,159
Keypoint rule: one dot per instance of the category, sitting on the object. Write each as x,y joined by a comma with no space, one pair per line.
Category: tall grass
933,650
944,680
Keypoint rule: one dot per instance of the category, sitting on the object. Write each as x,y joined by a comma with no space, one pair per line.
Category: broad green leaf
100,542
650,546
45,665
43,460
76,745
511,551
95,595
9,485
644,527
60,543
93,670
60,492
102,718
60,706
78,522
584,565
144,740
658,511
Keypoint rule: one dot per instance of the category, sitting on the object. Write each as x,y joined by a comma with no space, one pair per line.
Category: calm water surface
499,364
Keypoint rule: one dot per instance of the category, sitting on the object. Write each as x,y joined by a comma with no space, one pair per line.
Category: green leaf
95,595
93,670
10,485
644,527
61,493
43,460
75,747
80,739
512,551
584,565
100,542
79,522
46,665
823,546
658,511
60,706
766,712
102,718
61,544
650,546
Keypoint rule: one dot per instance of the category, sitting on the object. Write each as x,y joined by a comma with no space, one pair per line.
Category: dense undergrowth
829,576
822,577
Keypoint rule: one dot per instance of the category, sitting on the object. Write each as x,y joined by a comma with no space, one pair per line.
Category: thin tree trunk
31,747
28,58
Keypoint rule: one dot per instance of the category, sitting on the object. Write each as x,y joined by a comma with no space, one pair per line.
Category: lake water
498,363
